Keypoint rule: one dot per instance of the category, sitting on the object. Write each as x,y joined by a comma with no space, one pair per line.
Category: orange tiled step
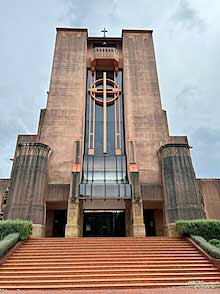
109,271
126,280
105,239
109,286
112,244
90,250
94,254
75,276
101,257
86,262
114,266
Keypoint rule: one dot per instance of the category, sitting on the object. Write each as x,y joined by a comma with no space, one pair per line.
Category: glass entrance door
104,224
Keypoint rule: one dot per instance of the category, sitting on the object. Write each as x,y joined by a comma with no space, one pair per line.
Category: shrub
8,242
22,227
208,229
210,249
215,242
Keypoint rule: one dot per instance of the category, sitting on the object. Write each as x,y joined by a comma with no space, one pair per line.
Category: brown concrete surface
3,186
210,190
145,121
62,123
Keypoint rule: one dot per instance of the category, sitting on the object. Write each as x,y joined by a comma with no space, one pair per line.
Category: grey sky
187,44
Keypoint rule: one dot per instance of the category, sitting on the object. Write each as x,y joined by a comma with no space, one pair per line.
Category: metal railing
105,53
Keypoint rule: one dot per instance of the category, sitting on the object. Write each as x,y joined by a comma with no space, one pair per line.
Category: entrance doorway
56,217
59,222
149,221
102,223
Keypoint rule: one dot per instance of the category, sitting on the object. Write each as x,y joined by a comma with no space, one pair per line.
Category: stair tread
70,258
108,262
118,270
108,286
77,275
111,266
54,280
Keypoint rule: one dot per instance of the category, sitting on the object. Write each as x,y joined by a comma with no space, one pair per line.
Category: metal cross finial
104,31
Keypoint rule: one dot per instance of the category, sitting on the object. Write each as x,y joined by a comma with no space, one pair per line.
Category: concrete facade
47,167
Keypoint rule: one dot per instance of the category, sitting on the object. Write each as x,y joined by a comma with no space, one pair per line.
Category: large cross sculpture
108,97
104,31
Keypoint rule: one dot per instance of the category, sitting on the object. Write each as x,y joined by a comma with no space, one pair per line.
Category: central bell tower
102,162
105,184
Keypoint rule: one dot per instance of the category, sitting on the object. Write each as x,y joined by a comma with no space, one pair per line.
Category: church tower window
104,164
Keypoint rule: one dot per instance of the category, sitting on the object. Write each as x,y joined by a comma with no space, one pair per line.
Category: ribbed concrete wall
26,197
182,197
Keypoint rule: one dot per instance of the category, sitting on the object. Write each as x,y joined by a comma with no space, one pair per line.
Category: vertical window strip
89,106
119,115
116,132
94,109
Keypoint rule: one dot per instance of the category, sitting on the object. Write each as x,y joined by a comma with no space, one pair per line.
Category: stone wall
145,121
210,190
4,184
62,123
58,192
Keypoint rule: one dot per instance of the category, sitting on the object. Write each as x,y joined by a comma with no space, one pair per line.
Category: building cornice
136,31
73,29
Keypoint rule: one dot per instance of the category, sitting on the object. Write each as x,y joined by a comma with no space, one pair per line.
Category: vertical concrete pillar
81,218
73,211
138,226
182,198
72,226
29,181
128,218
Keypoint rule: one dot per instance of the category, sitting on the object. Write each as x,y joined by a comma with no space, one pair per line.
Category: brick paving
124,291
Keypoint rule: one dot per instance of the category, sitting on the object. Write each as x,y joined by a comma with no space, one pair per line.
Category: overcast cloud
187,44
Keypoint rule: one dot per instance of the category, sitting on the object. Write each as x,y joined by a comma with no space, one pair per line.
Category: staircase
105,263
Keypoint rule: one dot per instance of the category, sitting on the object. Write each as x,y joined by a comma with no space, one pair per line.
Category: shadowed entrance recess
102,223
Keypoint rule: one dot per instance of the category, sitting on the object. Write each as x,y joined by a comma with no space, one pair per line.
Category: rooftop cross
104,31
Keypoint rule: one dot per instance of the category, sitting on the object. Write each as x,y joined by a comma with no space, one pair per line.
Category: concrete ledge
11,251
214,261
72,231
38,231
138,231
136,31
73,29
170,230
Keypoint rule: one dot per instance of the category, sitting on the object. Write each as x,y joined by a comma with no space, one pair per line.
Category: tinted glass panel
104,175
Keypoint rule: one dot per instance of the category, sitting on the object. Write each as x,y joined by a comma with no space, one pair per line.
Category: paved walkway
125,291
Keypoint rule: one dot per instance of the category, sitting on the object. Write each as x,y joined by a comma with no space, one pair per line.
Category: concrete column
73,212
128,217
182,198
29,181
72,226
80,218
138,226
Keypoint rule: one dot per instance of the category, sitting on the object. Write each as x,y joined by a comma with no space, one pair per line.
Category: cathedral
102,163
